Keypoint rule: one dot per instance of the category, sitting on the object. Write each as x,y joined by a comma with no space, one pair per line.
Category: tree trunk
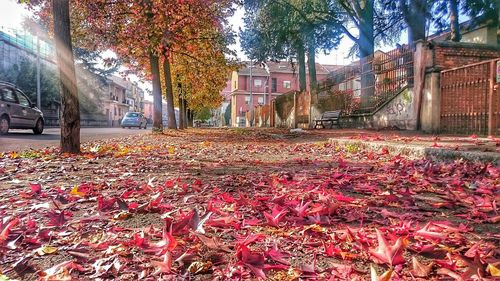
190,117
366,49
181,112
366,39
185,113
311,60
454,21
172,124
157,98
415,18
301,57
70,108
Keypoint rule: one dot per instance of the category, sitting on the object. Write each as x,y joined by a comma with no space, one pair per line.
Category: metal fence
371,81
470,99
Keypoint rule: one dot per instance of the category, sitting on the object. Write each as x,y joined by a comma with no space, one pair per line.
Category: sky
338,56
12,14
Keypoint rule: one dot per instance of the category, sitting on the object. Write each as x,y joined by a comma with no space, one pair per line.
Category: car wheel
4,125
38,130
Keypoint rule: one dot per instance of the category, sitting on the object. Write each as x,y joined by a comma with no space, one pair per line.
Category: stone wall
398,113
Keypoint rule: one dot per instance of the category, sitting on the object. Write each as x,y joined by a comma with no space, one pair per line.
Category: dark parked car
17,111
134,119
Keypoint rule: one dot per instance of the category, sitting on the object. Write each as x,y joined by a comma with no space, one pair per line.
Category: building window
274,85
261,100
247,100
257,83
287,84
115,110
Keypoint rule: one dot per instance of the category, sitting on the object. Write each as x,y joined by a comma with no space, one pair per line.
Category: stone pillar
430,115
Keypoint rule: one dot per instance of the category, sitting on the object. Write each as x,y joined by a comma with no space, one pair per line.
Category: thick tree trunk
366,49
70,108
157,98
454,21
172,124
301,57
311,60
366,39
415,18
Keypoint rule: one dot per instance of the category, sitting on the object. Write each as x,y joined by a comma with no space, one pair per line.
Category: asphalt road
18,140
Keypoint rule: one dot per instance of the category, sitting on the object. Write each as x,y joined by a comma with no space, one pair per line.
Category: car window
7,95
23,100
132,115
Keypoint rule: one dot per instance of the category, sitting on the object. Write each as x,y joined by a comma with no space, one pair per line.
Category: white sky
12,13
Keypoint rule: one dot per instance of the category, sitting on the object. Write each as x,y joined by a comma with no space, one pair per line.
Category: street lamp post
38,90
251,94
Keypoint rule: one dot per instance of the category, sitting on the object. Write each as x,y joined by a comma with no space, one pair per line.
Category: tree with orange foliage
144,34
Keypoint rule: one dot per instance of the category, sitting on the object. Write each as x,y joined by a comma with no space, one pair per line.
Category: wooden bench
332,117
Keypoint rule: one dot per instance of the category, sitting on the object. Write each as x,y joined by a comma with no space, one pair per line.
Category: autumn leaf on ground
197,223
164,266
253,260
276,216
389,254
475,267
494,269
76,192
386,276
278,256
104,204
6,229
429,234
56,218
301,209
419,269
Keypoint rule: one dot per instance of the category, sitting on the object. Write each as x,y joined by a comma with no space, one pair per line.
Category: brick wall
451,54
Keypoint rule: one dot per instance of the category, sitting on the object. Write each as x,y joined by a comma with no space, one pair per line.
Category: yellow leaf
384,277
171,150
494,269
75,192
46,250
122,152
4,278
13,155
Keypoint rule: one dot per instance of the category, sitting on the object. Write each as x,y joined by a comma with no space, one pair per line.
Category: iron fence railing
470,99
370,82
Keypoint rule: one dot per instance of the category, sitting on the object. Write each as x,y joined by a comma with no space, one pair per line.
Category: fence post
490,97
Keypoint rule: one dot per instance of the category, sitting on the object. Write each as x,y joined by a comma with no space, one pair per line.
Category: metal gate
470,99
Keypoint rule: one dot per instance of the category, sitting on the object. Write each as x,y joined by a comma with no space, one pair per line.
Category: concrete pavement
18,140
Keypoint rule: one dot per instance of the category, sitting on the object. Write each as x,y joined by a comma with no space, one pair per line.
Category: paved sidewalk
418,145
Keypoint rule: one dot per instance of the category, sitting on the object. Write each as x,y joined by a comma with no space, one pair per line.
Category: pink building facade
266,83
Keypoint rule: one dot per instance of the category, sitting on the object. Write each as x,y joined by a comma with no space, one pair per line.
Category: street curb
420,152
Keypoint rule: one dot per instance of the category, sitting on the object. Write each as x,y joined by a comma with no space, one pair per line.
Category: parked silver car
134,119
17,111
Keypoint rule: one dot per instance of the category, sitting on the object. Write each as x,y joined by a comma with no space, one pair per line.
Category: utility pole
38,90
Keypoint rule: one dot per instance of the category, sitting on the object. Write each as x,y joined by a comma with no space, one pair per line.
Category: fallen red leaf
389,254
